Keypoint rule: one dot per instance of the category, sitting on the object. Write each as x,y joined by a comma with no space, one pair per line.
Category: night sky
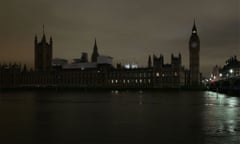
127,30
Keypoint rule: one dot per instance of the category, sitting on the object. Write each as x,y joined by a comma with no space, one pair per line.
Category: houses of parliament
99,71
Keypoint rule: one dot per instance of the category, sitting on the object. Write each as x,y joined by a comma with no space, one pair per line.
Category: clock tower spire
194,50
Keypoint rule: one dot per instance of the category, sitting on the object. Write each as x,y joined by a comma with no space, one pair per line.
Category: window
175,74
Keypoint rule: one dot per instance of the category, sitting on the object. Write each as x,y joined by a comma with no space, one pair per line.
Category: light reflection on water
222,118
119,117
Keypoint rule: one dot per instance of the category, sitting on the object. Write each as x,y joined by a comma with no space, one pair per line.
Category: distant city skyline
125,30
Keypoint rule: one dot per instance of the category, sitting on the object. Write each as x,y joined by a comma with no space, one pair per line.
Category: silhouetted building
10,75
95,53
194,50
59,62
149,62
158,61
43,54
104,60
84,57
168,75
231,68
100,72
227,78
215,75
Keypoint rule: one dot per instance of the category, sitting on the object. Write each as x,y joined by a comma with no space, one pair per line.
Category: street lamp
220,74
231,72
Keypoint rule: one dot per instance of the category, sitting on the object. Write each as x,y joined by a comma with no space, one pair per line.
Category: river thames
119,118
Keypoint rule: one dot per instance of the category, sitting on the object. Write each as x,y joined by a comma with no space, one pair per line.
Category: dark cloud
128,30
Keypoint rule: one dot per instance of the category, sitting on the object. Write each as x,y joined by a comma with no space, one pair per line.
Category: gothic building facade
43,54
194,57
95,53
100,72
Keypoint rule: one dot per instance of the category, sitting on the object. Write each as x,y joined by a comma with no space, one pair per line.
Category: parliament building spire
95,53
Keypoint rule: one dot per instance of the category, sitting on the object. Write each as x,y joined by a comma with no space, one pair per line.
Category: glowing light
157,74
127,66
231,71
175,74
232,102
134,66
220,75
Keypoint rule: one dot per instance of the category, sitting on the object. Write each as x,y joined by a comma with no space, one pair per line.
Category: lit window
136,81
163,75
112,81
149,80
140,80
124,81
128,81
175,74
116,81
157,74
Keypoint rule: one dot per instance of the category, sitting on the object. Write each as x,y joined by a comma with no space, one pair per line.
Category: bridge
229,86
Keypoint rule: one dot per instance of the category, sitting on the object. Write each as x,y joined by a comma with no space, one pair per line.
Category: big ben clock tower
194,50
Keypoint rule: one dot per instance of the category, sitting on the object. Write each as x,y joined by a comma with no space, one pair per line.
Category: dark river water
119,118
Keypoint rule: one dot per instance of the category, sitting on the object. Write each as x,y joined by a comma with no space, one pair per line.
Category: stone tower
194,50
43,54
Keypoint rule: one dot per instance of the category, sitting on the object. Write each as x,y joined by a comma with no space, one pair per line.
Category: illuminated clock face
194,45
